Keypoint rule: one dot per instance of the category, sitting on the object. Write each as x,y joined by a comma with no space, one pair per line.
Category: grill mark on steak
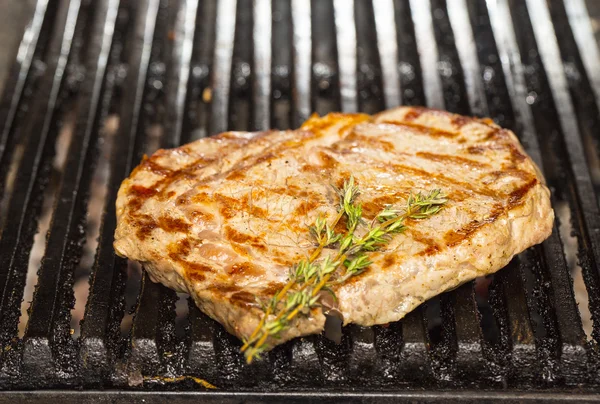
458,121
319,125
454,237
230,207
421,129
139,195
144,225
444,158
188,170
508,172
515,154
149,164
173,225
389,261
515,198
305,207
431,245
372,207
413,114
243,299
194,271
242,238
445,180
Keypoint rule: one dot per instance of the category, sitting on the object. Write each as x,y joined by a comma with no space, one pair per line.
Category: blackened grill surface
193,68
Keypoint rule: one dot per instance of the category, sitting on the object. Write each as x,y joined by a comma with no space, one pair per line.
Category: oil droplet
207,95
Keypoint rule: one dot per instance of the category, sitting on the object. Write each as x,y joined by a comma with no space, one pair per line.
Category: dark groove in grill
281,65
368,62
262,21
411,76
449,68
240,111
195,124
387,44
345,40
176,71
325,70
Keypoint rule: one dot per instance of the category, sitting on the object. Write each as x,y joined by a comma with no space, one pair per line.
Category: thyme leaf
309,277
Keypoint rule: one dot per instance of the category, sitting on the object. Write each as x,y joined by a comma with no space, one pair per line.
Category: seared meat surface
224,218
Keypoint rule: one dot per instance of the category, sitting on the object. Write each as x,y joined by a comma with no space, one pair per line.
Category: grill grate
530,65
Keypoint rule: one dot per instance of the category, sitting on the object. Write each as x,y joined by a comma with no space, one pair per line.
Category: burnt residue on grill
174,71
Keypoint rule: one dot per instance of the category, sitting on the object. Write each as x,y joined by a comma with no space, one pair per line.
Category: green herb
309,277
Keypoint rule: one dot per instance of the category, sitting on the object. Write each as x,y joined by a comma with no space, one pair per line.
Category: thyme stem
288,286
311,278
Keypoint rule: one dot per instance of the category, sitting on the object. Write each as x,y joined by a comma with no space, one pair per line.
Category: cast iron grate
193,68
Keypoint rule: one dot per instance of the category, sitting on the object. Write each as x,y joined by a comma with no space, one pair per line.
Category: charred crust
173,225
243,299
235,236
413,114
194,271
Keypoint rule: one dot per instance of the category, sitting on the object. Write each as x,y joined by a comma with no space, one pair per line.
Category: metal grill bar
428,52
301,12
106,283
369,85
252,65
578,35
586,50
415,362
521,338
181,64
16,82
262,64
325,68
346,50
48,323
411,77
197,123
463,345
458,13
471,350
24,204
221,73
522,352
153,329
388,50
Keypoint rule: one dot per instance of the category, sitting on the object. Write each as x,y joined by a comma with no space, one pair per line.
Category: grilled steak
224,218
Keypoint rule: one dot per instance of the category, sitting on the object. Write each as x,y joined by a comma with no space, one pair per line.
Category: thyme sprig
309,277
